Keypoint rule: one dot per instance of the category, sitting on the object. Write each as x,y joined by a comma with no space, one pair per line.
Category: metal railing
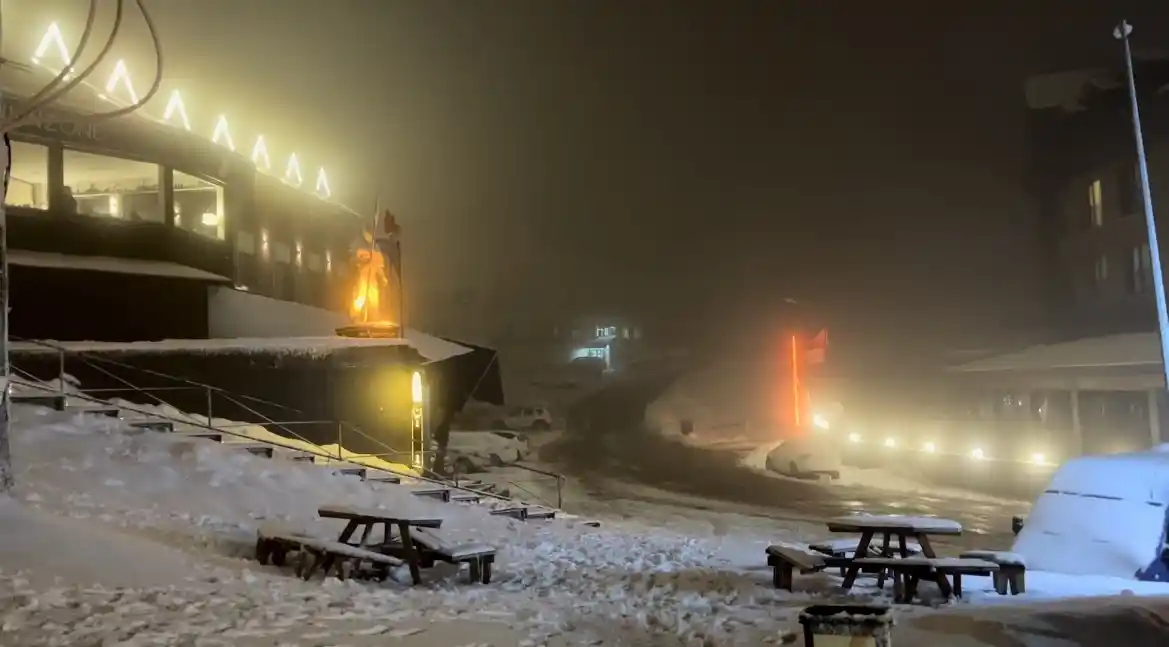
26,380
560,479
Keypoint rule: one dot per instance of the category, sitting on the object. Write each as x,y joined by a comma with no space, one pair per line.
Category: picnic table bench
905,529
1012,569
368,518
274,541
431,547
908,571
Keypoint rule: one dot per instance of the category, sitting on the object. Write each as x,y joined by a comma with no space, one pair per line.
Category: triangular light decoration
120,74
260,155
52,39
175,107
222,133
323,184
292,172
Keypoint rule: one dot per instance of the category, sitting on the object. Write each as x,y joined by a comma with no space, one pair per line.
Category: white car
538,418
471,451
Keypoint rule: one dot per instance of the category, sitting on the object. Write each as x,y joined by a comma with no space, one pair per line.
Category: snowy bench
378,476
785,559
109,412
350,470
1012,573
908,570
274,542
431,546
846,547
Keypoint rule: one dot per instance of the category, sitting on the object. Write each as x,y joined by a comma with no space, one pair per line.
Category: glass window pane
28,185
97,185
199,206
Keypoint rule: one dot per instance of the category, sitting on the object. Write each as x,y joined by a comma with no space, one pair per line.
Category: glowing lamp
174,106
222,135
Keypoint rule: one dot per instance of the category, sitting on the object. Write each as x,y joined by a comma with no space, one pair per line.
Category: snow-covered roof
1129,349
431,348
51,260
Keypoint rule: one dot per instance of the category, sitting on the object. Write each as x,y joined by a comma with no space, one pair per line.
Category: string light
175,107
292,172
322,187
52,38
260,154
120,74
175,114
222,132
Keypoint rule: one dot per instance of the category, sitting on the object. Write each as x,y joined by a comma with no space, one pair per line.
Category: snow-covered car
538,418
812,457
471,451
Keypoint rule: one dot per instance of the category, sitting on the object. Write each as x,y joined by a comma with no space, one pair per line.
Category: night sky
685,162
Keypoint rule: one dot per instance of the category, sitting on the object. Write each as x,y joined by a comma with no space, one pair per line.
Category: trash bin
847,625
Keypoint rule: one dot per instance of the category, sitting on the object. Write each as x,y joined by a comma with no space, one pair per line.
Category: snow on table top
849,544
936,562
342,511
851,523
998,556
432,348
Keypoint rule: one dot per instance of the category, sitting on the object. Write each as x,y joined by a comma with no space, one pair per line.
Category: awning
49,260
1129,349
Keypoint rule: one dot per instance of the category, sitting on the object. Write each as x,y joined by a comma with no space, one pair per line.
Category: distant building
1084,183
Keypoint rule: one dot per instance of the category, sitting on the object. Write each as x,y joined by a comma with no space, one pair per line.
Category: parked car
471,451
537,418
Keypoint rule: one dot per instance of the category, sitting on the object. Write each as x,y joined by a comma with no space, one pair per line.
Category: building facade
152,199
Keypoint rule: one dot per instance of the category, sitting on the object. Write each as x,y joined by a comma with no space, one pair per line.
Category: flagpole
1121,33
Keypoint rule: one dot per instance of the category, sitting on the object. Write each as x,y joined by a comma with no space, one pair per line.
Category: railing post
559,492
340,446
61,371
207,391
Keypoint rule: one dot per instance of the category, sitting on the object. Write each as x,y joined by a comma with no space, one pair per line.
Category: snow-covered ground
119,538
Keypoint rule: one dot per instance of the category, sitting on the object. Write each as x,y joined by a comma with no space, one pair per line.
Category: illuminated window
28,185
595,352
1096,204
96,185
199,206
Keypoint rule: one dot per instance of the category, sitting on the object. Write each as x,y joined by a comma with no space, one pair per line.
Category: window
28,185
111,187
595,352
1100,272
281,253
1096,204
1140,275
199,206
1129,189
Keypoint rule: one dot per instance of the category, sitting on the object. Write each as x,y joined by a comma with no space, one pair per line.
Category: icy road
606,444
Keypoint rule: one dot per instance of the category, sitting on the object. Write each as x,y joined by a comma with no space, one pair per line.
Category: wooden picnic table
368,518
901,527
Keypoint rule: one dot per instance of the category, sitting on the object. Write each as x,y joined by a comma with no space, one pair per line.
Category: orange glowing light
372,281
795,381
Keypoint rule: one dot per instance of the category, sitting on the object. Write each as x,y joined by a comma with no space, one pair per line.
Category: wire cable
26,118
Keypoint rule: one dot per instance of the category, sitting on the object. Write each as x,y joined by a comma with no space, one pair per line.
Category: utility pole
1121,33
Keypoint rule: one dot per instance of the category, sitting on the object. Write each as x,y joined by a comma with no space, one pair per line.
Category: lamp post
1122,33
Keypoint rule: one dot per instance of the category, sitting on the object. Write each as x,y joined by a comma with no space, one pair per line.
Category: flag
817,348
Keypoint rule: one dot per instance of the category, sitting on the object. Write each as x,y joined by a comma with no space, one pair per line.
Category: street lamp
1122,33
